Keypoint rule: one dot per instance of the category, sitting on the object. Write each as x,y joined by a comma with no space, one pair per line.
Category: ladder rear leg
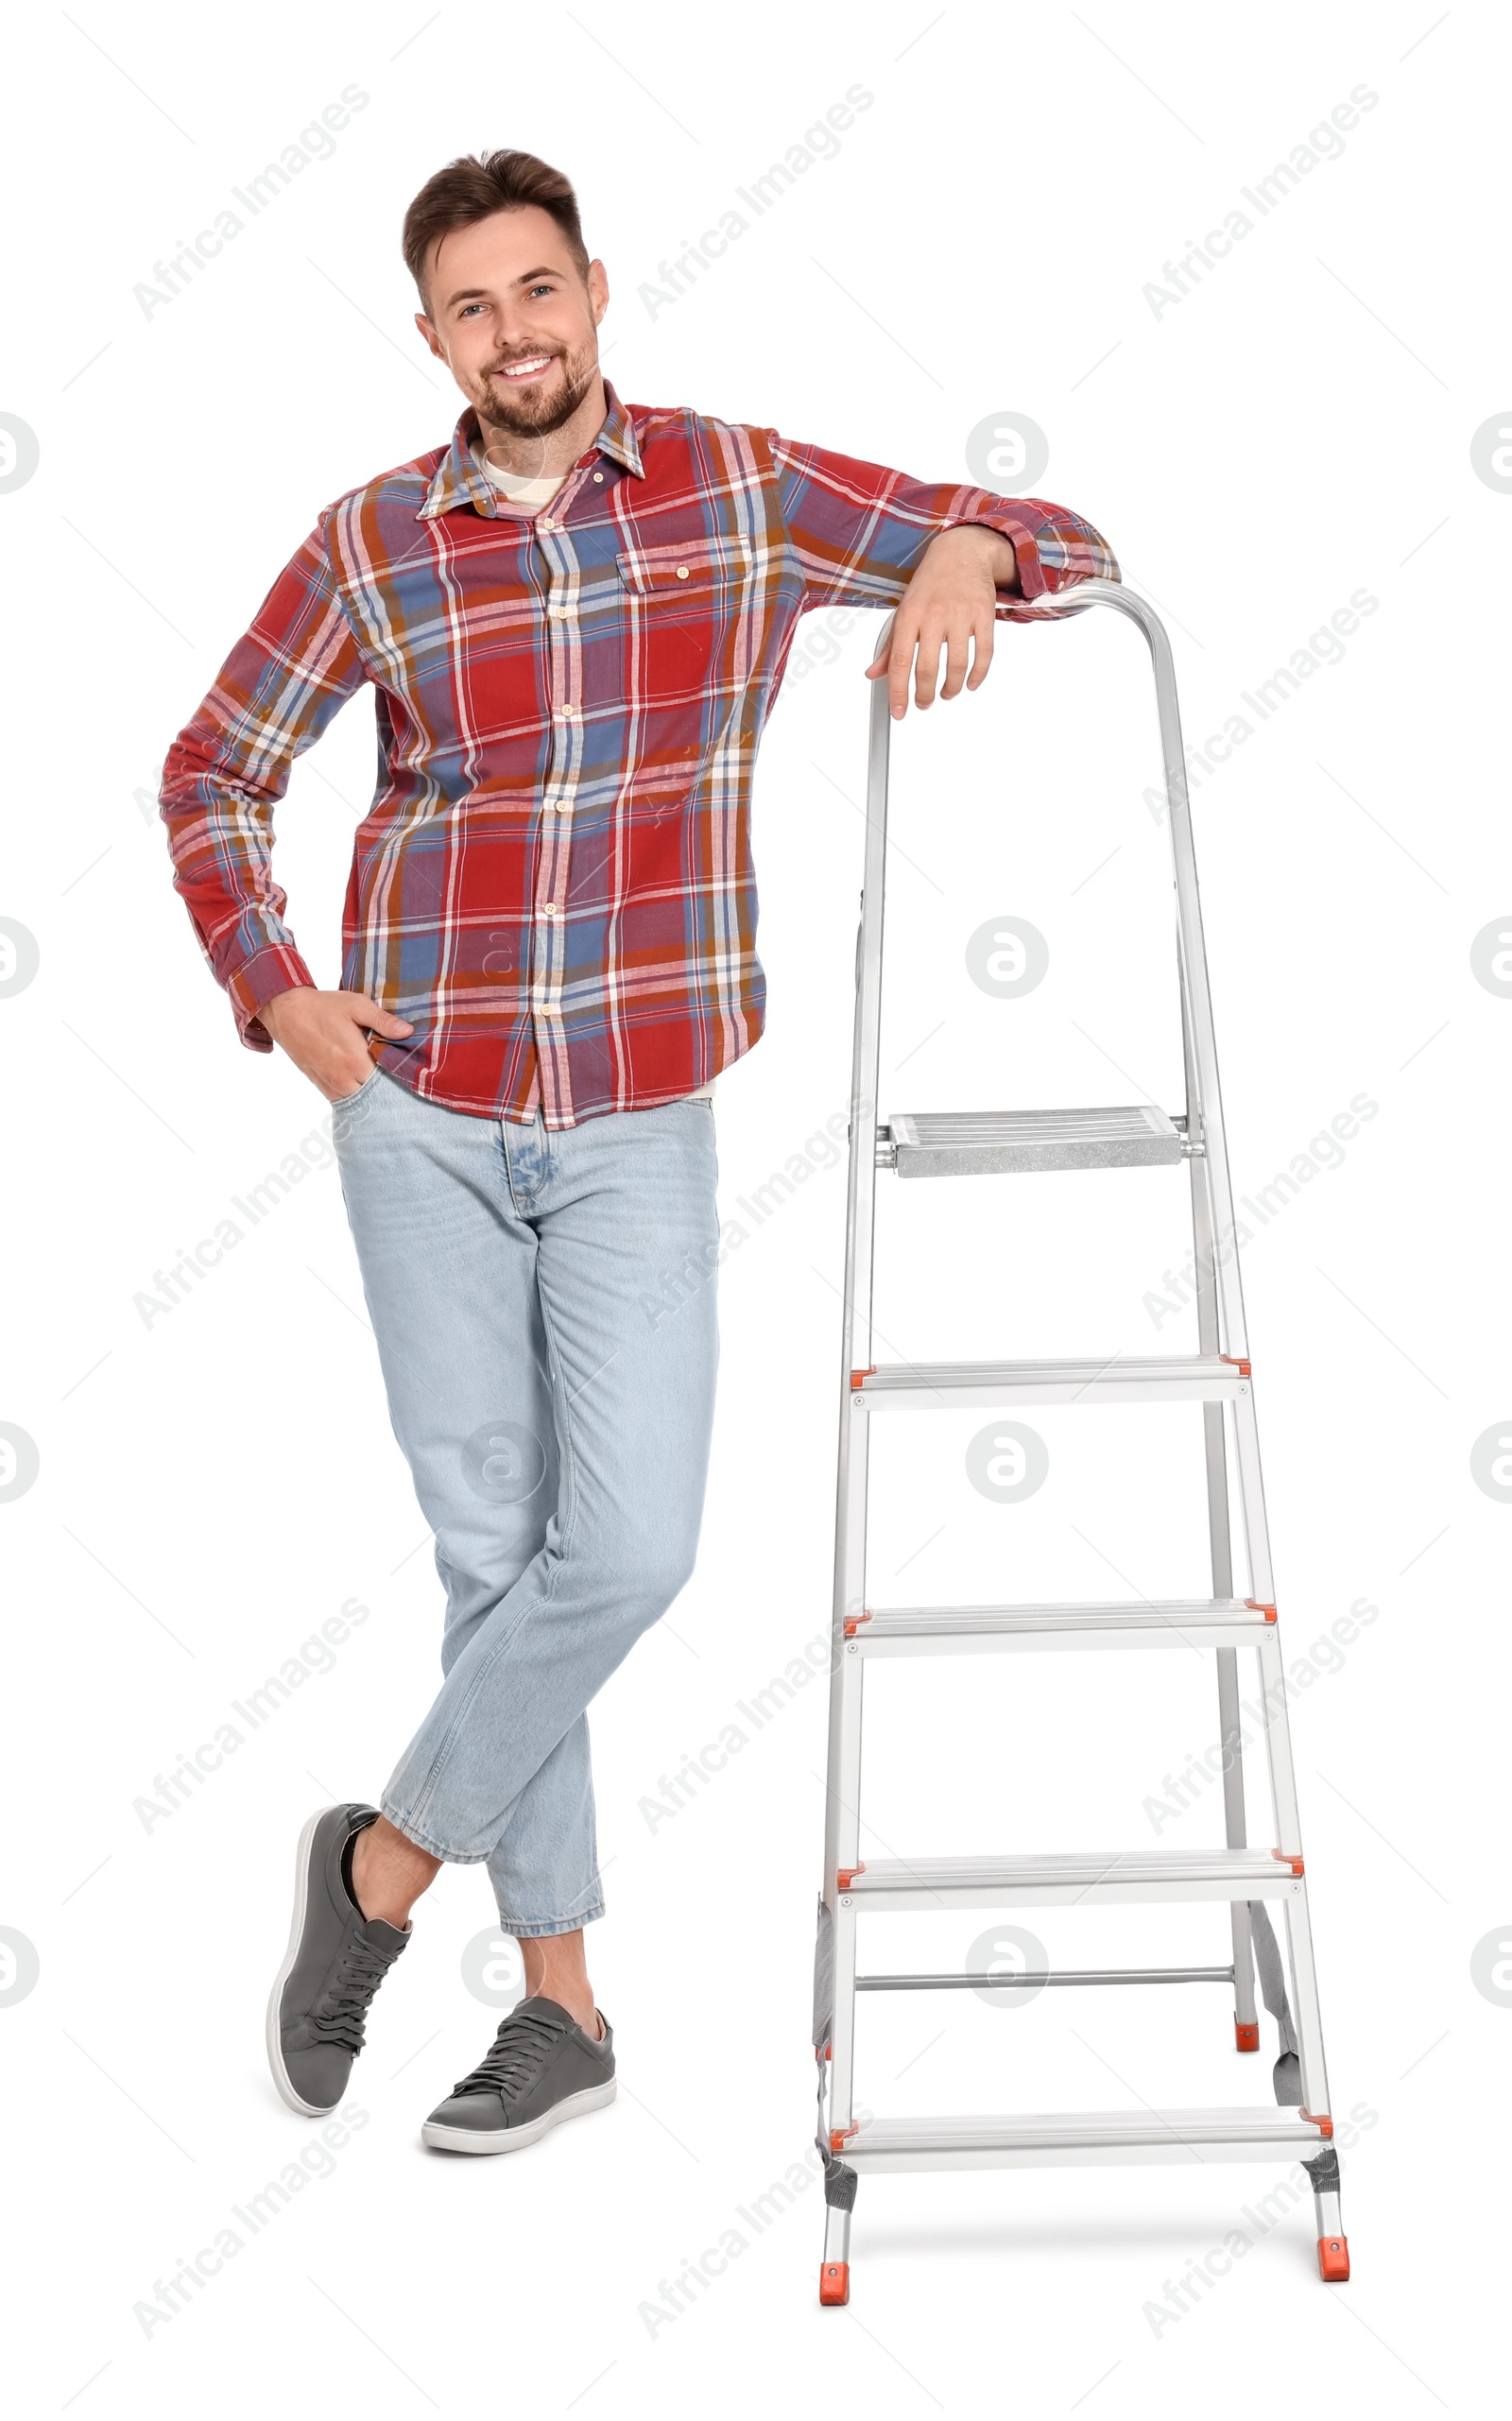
834,2033
1220,1543
1247,2020
835,2270
1246,2030
1333,2244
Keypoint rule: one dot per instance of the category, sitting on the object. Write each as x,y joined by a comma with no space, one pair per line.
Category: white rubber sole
275,2042
575,2105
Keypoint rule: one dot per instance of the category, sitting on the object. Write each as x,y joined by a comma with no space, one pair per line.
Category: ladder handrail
1196,993
865,1061
861,1188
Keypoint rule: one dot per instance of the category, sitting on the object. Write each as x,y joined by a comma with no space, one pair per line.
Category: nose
515,336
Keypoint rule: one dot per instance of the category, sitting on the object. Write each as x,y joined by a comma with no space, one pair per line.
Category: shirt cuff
276,969
1077,553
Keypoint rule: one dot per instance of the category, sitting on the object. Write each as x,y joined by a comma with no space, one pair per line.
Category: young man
574,618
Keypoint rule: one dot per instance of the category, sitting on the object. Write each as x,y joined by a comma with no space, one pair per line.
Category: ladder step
987,1143
1082,2140
1118,1379
1032,1980
1063,1879
1157,1623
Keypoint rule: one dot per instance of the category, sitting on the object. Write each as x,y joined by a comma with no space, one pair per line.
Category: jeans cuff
411,1831
534,1930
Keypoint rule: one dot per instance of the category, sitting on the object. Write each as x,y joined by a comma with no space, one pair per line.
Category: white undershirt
520,491
533,494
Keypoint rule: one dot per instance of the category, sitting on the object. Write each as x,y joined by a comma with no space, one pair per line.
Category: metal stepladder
1218,1376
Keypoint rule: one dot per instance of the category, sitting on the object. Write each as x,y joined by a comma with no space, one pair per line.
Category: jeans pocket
347,1099
356,1110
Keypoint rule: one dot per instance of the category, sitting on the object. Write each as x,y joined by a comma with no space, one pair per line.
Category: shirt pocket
690,567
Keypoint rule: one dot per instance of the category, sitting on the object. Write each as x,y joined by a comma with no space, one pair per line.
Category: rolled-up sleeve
274,695
859,530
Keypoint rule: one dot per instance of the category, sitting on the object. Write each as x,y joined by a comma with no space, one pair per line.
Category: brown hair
475,186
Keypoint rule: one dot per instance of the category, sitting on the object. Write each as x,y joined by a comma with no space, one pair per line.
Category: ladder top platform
987,1143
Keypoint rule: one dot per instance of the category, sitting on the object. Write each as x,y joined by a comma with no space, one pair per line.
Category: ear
598,289
429,335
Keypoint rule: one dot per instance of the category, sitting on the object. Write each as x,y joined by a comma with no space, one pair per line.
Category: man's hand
322,1033
948,603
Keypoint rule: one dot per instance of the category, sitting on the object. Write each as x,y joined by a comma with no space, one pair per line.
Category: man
575,618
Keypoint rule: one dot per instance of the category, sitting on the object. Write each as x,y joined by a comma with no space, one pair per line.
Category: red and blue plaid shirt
554,882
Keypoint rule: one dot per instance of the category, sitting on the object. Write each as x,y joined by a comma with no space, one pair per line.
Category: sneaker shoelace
526,2041
340,2014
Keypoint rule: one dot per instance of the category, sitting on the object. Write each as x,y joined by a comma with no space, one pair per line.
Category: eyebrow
481,293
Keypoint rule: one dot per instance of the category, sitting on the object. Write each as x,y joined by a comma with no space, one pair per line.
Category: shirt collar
458,480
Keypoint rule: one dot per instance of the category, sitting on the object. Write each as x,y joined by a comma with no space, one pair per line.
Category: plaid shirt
554,881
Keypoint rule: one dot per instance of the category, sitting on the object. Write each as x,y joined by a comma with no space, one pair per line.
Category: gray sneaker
334,1962
542,2068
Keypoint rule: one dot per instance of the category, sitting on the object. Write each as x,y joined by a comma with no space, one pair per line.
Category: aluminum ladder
1219,1377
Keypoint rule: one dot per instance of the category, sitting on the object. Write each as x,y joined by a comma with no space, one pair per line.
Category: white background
216,1484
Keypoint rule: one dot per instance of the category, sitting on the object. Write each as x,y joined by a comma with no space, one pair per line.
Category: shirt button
549,526
682,571
549,910
598,478
566,710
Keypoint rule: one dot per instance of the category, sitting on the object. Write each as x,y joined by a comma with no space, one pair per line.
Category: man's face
512,319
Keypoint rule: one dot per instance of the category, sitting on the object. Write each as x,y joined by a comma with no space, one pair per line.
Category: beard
535,411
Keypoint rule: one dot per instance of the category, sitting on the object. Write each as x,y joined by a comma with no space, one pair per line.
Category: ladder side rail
843,2027
865,1057
1196,993
841,1821
1278,1733
1220,1541
1214,1444
1314,2072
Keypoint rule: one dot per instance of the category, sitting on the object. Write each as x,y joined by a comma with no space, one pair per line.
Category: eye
544,289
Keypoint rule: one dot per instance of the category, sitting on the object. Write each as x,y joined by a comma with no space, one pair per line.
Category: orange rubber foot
835,2282
1333,2258
1247,2038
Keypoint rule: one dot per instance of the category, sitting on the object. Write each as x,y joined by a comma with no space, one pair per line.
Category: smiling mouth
531,367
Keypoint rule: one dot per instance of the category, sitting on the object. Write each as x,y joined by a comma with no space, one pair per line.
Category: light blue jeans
544,1310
